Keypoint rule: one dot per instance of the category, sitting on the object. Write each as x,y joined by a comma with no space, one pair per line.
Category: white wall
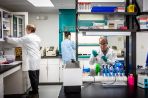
47,29
142,48
116,41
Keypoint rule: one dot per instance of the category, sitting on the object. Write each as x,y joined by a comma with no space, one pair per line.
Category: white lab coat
30,51
111,55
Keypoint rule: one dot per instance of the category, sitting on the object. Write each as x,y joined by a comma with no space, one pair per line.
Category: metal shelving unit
108,30
130,33
109,13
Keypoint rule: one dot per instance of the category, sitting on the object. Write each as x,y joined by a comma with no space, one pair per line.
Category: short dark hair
67,33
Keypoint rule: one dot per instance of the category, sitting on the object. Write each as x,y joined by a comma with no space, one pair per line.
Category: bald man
104,55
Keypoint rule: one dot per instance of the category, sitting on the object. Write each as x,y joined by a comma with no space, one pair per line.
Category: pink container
131,80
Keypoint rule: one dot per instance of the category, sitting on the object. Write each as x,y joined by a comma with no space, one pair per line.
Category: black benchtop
98,91
4,68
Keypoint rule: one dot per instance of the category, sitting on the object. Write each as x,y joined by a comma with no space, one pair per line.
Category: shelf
84,56
109,13
143,30
106,30
88,45
107,33
143,13
107,1
7,21
6,29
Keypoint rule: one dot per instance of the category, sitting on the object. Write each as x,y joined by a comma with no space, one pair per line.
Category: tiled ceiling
24,5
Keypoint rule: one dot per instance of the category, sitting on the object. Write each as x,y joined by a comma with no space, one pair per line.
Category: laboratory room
73,49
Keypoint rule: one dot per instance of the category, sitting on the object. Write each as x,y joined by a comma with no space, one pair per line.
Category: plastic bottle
103,71
106,71
131,80
111,71
98,69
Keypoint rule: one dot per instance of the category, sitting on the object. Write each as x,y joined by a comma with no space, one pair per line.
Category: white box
142,81
72,76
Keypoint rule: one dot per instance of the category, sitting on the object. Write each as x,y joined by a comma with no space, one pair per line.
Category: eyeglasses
103,44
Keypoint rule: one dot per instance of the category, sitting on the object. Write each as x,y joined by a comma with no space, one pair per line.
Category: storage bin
103,9
10,58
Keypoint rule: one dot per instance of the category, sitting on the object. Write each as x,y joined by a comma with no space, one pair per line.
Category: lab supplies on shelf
143,22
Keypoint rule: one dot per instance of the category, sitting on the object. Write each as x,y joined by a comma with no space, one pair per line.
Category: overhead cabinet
18,26
11,24
5,23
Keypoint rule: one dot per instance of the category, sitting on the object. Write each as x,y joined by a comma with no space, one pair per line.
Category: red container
131,80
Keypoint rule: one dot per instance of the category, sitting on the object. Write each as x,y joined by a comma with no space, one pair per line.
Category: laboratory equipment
51,51
72,77
142,80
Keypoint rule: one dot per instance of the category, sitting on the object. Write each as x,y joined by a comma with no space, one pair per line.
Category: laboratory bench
46,57
6,67
96,90
12,79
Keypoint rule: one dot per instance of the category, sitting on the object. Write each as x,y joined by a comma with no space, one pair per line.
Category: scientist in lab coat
30,54
68,48
104,55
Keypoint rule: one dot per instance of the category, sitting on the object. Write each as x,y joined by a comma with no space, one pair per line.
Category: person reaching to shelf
31,56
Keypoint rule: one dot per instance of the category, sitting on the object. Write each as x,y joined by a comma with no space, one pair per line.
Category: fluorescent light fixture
41,3
107,33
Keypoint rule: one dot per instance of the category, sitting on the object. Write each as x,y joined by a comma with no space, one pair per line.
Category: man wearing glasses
104,55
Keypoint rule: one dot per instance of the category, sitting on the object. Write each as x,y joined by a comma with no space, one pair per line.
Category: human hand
104,58
94,52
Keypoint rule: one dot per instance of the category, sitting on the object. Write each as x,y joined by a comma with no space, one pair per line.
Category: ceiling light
106,33
41,3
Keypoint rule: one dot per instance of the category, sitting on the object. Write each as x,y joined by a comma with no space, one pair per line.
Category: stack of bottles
116,70
107,70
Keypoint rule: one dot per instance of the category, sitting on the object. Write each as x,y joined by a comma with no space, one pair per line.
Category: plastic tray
103,9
